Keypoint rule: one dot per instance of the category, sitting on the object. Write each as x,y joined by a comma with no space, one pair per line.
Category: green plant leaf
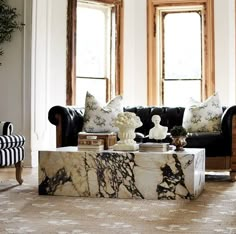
8,22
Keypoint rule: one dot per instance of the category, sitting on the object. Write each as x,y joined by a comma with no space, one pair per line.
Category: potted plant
178,135
178,131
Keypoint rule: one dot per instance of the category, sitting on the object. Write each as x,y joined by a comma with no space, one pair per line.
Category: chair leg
19,169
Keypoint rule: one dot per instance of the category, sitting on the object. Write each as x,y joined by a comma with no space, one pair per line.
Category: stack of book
91,144
109,139
153,147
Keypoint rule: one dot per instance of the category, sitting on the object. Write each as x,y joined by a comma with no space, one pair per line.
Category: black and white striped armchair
11,149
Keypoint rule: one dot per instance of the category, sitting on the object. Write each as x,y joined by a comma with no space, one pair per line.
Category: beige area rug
22,210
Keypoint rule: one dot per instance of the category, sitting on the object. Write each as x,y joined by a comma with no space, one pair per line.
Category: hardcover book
96,148
109,139
153,147
90,141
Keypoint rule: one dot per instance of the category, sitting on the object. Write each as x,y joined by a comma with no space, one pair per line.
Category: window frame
71,49
208,81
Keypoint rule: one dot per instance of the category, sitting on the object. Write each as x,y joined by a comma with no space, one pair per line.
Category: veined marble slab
145,175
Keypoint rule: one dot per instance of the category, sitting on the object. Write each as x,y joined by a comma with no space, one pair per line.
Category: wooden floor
8,173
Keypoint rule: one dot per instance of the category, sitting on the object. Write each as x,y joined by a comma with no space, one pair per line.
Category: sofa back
170,116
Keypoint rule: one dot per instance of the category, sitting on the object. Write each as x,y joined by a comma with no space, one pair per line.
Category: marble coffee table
115,174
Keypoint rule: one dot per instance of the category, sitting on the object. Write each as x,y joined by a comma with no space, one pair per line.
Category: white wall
11,86
15,80
48,69
225,51
29,87
135,52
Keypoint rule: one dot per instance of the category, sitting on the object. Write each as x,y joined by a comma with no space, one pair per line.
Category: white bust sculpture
158,132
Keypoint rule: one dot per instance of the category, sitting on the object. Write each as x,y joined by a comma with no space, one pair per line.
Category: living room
38,55
33,79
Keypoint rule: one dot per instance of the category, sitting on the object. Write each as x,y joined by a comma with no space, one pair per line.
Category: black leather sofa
220,147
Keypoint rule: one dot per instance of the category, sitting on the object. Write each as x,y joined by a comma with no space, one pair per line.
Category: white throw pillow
203,116
98,118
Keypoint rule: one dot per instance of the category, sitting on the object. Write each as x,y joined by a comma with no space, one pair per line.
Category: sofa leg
233,176
19,169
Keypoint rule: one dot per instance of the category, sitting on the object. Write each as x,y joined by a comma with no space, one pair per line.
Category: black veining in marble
167,188
49,185
113,171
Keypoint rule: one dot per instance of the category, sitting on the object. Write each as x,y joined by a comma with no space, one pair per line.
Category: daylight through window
181,56
180,51
94,67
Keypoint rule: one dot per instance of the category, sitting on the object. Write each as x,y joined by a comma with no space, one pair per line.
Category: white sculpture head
158,132
156,119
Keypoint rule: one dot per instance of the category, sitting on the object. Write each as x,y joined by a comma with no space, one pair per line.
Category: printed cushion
98,118
203,116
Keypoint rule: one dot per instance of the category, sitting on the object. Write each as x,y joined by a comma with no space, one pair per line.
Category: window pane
96,87
91,41
177,93
182,46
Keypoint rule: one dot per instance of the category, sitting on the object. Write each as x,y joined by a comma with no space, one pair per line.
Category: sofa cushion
215,143
98,118
203,116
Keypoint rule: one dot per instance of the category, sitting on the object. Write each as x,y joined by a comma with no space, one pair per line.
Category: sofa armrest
228,127
227,121
68,121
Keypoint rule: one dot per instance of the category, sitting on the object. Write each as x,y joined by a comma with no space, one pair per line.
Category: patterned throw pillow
203,116
98,118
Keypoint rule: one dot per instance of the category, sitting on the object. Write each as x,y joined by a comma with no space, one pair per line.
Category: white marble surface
114,174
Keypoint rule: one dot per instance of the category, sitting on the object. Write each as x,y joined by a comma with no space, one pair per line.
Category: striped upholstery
6,128
11,156
11,141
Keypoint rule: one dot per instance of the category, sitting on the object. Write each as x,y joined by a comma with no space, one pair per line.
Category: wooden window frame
208,82
71,49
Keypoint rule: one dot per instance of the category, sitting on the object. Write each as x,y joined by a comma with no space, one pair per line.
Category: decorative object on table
98,117
109,139
158,132
179,135
8,22
153,147
127,122
91,143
